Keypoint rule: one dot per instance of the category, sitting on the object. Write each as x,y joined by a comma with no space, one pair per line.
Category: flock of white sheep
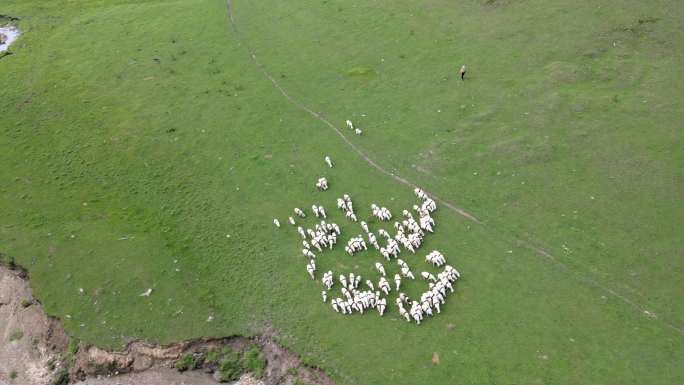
409,233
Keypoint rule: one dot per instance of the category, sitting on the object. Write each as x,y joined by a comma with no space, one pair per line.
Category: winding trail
463,213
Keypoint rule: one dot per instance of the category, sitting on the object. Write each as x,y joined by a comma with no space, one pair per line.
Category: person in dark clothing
463,72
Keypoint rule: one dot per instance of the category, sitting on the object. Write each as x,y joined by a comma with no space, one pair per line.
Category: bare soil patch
29,339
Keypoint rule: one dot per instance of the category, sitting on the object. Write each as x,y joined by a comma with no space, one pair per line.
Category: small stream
11,33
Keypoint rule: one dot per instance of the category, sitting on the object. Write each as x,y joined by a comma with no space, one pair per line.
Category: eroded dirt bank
35,350
30,341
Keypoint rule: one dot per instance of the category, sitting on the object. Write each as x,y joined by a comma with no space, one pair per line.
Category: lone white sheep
322,184
380,268
350,125
311,270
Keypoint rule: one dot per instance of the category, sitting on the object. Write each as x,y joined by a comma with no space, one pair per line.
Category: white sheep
349,124
311,270
397,280
328,280
381,305
404,313
436,258
322,184
429,205
407,273
291,220
324,295
384,285
416,312
358,131
328,161
428,277
299,212
380,268
276,222
346,292
343,280
426,306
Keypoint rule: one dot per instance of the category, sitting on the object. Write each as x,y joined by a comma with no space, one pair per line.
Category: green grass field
135,136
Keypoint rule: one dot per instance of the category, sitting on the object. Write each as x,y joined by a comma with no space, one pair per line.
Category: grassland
136,136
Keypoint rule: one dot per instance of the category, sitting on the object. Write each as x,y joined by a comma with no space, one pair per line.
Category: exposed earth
30,339
35,350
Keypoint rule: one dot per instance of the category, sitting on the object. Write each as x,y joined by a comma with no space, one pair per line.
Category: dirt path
164,376
530,245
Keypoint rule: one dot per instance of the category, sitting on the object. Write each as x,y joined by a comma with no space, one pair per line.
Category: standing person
463,71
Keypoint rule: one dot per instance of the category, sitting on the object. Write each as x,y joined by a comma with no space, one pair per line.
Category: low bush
230,368
213,357
253,361
186,362
61,377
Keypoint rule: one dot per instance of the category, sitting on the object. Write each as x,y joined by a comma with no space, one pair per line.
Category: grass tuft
253,361
61,377
360,71
185,363
15,336
230,368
